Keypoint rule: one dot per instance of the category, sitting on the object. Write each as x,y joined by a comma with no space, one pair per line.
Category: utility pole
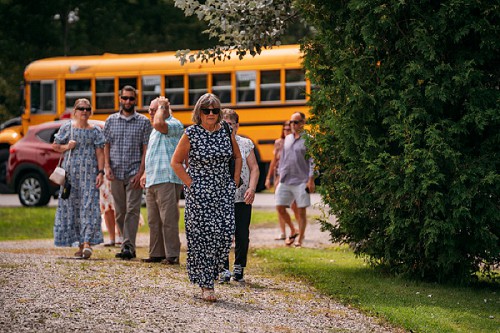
67,18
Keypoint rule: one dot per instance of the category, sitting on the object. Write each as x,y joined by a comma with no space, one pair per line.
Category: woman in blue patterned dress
205,148
78,218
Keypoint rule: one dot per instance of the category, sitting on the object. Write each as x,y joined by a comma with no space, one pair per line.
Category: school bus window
174,89
245,86
76,89
150,89
221,86
295,84
35,97
270,86
127,81
197,87
105,94
42,97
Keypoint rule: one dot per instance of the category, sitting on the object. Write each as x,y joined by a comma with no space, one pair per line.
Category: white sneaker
225,276
238,273
86,253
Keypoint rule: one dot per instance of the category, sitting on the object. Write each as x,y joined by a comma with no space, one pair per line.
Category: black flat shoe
171,261
127,254
153,259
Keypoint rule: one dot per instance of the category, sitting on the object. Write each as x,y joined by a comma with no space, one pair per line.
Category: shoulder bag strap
70,136
60,158
226,127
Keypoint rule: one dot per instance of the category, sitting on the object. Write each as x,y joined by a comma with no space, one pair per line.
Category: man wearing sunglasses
127,134
296,172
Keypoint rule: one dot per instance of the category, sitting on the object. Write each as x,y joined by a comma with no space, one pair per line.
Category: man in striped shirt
163,187
127,134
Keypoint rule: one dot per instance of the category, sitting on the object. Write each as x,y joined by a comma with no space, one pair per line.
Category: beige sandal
281,237
208,295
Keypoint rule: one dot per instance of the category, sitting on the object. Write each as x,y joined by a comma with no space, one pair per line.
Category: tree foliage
32,30
242,26
406,124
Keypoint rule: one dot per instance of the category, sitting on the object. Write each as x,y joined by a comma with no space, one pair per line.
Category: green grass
419,307
22,223
19,223
336,271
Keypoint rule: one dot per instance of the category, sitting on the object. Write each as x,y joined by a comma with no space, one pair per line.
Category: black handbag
232,165
66,188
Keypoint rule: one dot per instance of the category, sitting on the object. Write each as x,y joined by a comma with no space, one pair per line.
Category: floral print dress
209,208
78,218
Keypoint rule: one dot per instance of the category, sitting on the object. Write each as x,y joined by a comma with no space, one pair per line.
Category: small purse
58,176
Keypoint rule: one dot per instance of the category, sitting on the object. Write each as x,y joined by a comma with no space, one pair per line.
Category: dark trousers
242,216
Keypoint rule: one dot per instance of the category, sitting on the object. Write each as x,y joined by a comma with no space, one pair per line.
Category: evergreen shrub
405,119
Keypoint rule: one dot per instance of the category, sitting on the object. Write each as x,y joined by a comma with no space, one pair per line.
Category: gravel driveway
43,290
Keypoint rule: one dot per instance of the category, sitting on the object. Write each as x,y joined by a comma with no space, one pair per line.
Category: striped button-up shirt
161,147
126,137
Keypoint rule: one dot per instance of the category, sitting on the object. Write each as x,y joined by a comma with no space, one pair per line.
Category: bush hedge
405,119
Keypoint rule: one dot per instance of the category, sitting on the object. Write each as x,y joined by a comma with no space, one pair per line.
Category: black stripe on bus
266,142
238,107
245,106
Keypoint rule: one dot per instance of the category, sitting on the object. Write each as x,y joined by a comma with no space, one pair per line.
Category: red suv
32,160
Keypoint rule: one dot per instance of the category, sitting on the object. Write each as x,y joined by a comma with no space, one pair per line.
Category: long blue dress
78,218
209,209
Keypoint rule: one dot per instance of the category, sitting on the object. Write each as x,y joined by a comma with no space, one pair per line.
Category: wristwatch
101,171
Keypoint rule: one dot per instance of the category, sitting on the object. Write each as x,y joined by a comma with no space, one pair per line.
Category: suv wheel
33,190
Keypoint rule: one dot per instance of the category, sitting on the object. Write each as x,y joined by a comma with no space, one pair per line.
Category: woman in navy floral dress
78,218
209,191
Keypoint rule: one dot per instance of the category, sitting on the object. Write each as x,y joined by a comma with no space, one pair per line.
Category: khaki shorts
286,194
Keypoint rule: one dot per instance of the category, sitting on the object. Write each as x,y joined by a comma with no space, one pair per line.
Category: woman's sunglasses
207,111
81,108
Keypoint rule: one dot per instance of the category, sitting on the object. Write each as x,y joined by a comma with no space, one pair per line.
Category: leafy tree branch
240,26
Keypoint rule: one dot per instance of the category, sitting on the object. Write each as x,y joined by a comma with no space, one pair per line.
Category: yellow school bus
265,90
